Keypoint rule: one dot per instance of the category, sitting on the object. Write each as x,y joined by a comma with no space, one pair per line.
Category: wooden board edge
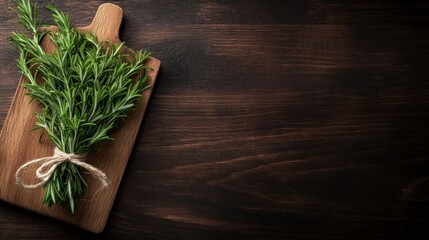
20,81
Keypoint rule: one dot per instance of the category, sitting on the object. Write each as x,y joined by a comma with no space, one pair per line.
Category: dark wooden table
270,120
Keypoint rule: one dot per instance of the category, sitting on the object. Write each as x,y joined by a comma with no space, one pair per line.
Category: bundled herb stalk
84,88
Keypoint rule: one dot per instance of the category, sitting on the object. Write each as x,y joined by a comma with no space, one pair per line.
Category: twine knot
45,171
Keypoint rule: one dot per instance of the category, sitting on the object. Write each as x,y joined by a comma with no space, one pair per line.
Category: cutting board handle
107,22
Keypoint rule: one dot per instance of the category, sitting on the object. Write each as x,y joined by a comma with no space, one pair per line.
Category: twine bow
52,162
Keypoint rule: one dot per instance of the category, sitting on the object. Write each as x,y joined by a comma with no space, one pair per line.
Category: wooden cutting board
19,145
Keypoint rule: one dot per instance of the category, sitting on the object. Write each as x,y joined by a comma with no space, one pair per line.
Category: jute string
47,168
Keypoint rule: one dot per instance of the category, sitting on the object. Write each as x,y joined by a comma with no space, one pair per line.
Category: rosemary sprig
84,88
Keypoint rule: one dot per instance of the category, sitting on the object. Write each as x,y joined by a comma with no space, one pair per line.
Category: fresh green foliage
84,87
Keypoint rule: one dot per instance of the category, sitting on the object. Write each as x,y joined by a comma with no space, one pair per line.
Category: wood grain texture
18,144
270,120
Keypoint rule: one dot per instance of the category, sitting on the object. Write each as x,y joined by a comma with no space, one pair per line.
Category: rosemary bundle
84,88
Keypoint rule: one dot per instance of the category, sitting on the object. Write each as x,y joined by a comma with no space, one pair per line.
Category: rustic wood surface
270,120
